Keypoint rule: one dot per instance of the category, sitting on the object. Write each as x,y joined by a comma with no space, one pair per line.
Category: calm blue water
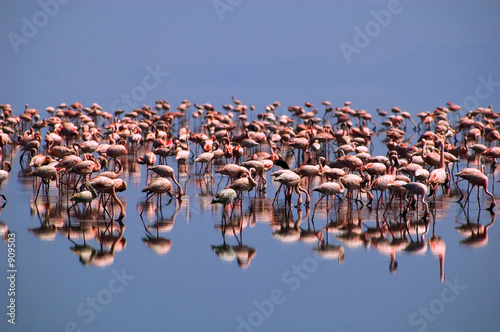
260,52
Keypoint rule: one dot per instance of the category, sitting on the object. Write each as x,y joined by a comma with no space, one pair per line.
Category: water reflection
96,237
286,229
49,218
437,247
108,238
233,227
109,241
95,228
327,250
476,234
153,240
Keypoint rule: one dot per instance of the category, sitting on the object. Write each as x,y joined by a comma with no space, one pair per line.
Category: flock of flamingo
81,153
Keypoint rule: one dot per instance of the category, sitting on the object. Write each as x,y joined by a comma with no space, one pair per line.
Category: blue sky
261,51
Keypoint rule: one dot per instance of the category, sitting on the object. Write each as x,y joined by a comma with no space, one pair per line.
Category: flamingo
493,153
478,150
374,169
410,169
382,183
166,171
38,160
417,189
182,156
89,146
310,171
233,171
291,180
328,189
84,196
354,182
149,159
438,176
205,158
4,173
260,170
85,167
157,187
115,150
396,187
351,162
113,174
59,151
245,183
477,178
225,197
105,185
46,173
430,158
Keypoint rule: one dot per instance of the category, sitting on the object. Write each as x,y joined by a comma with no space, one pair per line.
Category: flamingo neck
441,157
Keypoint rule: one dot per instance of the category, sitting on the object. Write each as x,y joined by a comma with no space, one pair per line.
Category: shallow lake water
179,268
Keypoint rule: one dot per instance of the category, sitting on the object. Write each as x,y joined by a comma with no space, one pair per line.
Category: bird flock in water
80,154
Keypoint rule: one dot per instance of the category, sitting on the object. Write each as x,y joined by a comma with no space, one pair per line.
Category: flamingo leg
468,195
315,205
277,193
308,199
388,204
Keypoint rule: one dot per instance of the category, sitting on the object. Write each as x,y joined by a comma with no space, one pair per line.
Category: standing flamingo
354,182
245,183
46,173
438,176
225,197
291,180
105,185
84,196
382,183
166,171
417,189
477,178
157,187
115,150
4,173
328,189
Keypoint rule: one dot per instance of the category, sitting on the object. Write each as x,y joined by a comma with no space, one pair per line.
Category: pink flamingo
438,176
477,178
